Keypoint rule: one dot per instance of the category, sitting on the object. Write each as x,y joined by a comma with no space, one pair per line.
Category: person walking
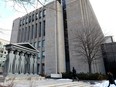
74,76
111,79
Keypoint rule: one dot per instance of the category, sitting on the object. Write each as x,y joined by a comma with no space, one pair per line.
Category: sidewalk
54,83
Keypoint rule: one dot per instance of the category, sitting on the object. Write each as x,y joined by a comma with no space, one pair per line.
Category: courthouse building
51,30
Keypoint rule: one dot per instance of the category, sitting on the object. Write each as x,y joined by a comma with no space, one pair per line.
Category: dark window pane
28,32
36,17
44,13
36,30
32,31
40,29
43,28
33,17
29,19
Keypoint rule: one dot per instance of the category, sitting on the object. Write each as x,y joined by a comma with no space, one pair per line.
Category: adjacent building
109,55
3,53
51,30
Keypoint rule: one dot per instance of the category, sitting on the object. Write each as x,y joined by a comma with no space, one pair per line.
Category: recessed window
25,33
29,19
44,28
40,14
33,17
23,21
36,17
26,20
32,31
40,29
20,22
28,33
22,37
36,30
39,44
39,55
44,13
35,44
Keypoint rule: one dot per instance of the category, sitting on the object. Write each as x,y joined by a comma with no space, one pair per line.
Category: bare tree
89,41
26,4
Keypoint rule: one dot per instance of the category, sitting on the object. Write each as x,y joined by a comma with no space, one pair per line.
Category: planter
56,76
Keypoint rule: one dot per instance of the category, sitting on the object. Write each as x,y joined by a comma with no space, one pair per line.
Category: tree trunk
90,69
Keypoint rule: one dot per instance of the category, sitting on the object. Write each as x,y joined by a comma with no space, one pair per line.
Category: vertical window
43,43
39,44
22,36
36,30
26,20
28,32
20,22
43,68
29,19
40,29
32,31
25,33
43,28
33,17
35,44
23,21
38,55
36,17
44,13
40,14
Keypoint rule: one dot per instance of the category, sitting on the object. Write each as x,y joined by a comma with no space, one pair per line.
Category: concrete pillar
35,64
22,63
17,59
61,47
11,59
27,62
31,64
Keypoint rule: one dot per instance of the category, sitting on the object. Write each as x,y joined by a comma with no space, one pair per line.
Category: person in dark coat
74,76
111,79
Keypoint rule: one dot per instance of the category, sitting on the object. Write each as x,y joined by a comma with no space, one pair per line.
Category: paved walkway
48,83
53,83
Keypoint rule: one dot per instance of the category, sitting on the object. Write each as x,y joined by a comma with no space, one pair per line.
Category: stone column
16,67
60,32
22,63
35,64
26,63
31,64
11,58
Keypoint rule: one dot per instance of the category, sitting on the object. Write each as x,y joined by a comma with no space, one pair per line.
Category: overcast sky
105,11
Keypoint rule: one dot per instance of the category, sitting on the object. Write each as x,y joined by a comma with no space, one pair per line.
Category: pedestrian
74,76
111,79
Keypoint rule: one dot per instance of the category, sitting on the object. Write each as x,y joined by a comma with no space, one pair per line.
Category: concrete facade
15,27
51,32
79,15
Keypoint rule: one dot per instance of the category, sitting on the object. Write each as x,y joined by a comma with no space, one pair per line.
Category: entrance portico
21,59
